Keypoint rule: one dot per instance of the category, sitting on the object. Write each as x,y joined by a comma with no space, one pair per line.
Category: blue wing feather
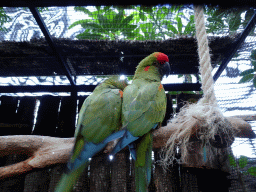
90,149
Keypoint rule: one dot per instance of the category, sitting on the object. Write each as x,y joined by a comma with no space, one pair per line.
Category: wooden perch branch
44,151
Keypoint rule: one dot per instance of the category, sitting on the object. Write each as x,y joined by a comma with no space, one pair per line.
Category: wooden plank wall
56,117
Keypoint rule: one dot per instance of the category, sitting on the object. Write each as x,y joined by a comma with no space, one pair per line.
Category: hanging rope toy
203,120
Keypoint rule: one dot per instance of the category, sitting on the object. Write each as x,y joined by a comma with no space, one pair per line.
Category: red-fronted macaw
144,107
98,121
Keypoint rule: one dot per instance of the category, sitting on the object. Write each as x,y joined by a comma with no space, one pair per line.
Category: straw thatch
103,57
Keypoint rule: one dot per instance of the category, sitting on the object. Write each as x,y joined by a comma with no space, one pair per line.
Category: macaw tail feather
90,149
68,180
143,163
140,179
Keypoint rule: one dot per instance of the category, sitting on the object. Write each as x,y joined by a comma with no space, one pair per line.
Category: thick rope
203,119
204,58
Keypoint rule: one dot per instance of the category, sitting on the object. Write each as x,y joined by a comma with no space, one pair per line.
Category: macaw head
162,62
156,63
114,82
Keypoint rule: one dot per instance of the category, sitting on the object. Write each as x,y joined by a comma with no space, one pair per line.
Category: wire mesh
140,23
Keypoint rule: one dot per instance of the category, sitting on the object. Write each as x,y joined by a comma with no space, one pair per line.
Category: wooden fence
56,117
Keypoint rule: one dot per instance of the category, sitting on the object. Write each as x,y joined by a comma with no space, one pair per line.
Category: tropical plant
4,18
133,22
239,164
104,23
157,23
229,20
242,163
250,74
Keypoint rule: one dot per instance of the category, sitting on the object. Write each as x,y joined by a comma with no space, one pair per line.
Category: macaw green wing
93,123
144,105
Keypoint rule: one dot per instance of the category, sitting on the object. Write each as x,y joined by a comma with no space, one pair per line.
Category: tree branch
44,150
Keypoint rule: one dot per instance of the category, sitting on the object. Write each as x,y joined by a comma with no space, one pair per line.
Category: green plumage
144,107
143,162
67,181
100,114
99,117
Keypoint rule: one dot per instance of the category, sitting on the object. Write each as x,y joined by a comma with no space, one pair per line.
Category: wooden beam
87,88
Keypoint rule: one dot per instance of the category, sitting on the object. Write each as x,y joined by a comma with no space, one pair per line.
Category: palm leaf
172,28
87,35
83,9
246,78
179,24
80,22
254,81
247,72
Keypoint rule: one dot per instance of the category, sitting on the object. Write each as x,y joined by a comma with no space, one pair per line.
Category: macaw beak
165,69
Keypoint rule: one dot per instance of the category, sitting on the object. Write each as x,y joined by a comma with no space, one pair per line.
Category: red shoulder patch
160,87
146,68
121,93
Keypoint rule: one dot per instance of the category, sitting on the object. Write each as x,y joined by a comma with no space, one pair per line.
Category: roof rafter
48,38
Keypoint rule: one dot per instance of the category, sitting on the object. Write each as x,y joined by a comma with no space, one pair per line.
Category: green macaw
98,122
144,107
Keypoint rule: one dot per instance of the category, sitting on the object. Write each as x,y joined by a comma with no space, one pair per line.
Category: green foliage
4,18
150,22
161,24
250,74
232,161
105,23
220,19
133,22
252,171
155,22
242,163
177,29
234,20
41,9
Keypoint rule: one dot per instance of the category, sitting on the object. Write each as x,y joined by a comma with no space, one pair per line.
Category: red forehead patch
161,58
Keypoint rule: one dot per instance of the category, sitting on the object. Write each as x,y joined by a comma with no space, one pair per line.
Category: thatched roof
103,57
